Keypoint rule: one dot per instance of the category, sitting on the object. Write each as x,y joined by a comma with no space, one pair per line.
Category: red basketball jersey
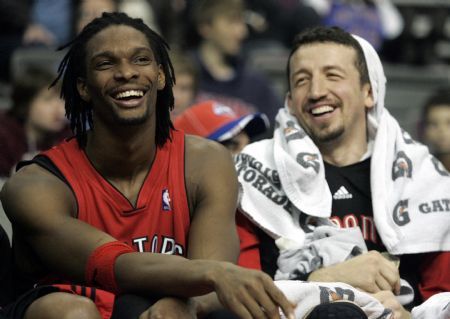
160,221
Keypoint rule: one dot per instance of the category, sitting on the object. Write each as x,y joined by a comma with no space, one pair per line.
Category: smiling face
225,32
326,95
437,129
122,76
46,112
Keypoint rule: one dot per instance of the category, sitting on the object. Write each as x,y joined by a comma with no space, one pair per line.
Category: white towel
325,246
283,177
436,307
307,295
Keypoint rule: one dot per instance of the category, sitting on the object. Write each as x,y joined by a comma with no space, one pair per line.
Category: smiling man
131,206
338,154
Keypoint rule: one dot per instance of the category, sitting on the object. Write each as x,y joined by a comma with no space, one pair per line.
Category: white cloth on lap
436,307
307,295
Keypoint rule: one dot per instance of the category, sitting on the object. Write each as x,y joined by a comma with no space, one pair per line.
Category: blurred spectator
186,87
50,23
373,20
38,22
224,75
435,130
273,22
87,10
142,9
35,121
15,18
220,123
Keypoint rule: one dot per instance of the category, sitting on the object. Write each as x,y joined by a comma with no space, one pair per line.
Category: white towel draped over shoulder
283,180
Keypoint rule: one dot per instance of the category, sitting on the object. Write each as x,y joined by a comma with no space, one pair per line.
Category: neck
214,61
341,152
35,137
122,154
445,160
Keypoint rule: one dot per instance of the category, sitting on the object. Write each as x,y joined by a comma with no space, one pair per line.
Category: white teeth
322,109
129,93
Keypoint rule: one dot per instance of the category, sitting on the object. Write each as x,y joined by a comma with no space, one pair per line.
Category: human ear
83,90
369,101
161,79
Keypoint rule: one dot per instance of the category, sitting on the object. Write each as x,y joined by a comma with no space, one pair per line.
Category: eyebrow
334,67
110,54
326,68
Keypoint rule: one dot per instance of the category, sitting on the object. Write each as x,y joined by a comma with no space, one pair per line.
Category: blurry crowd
212,43
212,47
220,93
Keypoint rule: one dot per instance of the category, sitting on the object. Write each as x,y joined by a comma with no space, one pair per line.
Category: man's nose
318,88
126,71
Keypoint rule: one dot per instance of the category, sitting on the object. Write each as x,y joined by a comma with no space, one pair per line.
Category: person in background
186,88
218,122
86,10
435,128
224,76
34,122
374,20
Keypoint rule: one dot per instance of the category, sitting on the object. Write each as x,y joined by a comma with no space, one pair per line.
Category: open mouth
129,98
322,110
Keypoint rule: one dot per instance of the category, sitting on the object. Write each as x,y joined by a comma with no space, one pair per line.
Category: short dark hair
183,64
439,97
73,66
204,11
323,34
26,87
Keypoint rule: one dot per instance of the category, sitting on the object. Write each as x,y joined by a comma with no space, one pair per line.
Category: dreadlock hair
73,66
323,34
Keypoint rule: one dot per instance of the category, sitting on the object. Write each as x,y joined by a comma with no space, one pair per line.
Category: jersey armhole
46,163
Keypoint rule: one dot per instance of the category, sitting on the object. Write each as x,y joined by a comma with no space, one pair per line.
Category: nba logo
166,200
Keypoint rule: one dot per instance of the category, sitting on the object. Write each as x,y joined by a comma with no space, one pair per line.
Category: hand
387,298
249,293
370,272
170,308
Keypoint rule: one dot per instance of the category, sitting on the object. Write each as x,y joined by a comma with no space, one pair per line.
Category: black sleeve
6,293
46,163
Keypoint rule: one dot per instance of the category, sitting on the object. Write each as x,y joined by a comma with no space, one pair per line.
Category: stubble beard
131,121
326,135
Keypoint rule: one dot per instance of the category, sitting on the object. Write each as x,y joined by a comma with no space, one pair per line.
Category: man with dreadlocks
131,206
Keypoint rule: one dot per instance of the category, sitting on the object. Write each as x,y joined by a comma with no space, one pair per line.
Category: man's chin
131,120
327,137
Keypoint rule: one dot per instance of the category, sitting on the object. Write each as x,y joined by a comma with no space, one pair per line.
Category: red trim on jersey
435,274
249,243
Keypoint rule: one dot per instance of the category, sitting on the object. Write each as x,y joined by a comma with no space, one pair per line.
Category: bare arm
42,208
213,185
213,233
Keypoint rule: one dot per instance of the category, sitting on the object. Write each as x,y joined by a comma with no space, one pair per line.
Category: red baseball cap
219,122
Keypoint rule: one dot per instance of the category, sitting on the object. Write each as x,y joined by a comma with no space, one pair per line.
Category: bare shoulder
34,188
198,147
204,156
208,165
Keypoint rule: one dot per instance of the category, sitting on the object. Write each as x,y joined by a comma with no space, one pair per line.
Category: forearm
148,273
